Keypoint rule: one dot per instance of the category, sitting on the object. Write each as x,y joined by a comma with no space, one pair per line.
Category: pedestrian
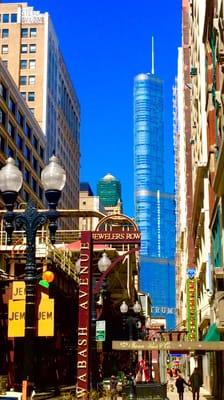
113,387
180,382
195,383
132,385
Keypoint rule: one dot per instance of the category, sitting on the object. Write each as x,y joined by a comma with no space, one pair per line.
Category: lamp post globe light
104,262
131,316
53,178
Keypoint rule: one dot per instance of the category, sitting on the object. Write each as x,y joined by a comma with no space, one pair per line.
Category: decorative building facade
154,209
199,257
29,48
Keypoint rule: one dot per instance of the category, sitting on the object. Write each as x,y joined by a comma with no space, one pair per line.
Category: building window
22,80
40,193
31,96
3,91
24,32
13,18
26,196
28,131
33,48
24,48
32,110
27,176
5,33
19,142
23,64
35,164
23,94
32,64
20,118
19,164
33,32
35,142
12,106
27,153
5,18
34,185
2,117
5,49
32,79
2,144
11,130
10,152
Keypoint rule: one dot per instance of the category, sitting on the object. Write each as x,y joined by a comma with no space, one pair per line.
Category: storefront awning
213,334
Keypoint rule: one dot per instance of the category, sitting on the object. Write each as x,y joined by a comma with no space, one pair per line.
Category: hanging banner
16,318
192,328
18,290
46,317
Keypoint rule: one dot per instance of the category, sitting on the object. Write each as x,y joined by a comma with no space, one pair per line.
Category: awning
213,334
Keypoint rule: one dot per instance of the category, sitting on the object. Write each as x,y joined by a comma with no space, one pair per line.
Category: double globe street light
131,316
53,178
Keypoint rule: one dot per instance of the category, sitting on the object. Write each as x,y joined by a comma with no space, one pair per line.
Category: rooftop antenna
153,69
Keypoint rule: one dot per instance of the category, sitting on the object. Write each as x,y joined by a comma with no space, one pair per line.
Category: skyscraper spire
153,69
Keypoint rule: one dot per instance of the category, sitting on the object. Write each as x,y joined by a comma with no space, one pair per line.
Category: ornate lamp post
53,178
103,264
131,316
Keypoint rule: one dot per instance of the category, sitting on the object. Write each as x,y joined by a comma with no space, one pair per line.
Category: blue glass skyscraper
154,209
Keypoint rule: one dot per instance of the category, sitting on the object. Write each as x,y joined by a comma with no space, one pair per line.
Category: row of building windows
24,48
19,140
30,80
30,96
32,48
27,175
20,118
25,33
24,64
28,32
7,18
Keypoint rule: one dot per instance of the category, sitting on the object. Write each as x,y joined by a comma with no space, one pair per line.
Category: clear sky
105,43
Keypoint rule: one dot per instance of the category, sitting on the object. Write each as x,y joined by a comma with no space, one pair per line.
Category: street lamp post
131,316
53,178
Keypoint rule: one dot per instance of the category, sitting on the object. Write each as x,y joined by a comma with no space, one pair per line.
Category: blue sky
105,44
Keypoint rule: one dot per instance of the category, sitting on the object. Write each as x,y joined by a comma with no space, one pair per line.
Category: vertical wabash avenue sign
88,239
16,313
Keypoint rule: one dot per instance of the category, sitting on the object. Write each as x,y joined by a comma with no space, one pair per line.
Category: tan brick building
30,49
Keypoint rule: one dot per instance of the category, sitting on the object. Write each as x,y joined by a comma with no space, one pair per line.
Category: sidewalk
187,394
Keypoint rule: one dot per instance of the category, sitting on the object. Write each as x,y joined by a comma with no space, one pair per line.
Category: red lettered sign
85,295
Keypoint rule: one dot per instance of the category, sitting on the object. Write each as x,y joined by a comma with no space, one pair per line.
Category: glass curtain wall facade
154,209
109,190
148,153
